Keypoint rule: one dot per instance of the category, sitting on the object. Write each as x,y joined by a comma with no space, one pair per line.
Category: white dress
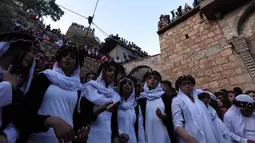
5,96
56,102
155,130
100,131
126,124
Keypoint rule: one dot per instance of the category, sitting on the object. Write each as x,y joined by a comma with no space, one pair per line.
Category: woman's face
127,87
152,81
90,77
40,60
231,97
219,102
27,61
68,62
110,74
220,97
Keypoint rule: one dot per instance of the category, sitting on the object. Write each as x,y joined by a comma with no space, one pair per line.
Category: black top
167,99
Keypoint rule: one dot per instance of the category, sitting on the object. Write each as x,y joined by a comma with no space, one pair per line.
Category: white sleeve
11,133
177,113
5,93
231,133
141,133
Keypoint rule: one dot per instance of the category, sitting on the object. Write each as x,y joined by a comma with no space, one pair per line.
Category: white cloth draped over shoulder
127,118
152,94
236,122
97,93
59,100
155,129
195,116
58,77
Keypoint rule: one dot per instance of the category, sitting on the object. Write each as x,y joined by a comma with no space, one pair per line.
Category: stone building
114,47
218,51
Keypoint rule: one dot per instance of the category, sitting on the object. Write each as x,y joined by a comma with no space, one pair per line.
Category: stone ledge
141,59
179,20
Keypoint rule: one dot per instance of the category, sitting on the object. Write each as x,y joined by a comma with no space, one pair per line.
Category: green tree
42,8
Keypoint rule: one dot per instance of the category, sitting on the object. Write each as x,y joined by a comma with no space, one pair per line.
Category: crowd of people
54,36
128,44
57,105
165,19
82,27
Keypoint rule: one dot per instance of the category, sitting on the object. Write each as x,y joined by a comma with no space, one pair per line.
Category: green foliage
42,8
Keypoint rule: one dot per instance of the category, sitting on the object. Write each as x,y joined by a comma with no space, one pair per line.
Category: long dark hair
225,101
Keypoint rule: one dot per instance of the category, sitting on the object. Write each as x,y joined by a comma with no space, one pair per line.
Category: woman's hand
124,138
190,139
82,134
111,108
160,114
3,139
63,130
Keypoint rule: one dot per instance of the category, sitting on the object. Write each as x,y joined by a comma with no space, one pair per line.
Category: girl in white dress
101,94
129,121
156,110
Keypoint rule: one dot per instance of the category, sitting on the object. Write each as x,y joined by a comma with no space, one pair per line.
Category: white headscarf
152,94
58,77
98,93
131,101
238,119
4,46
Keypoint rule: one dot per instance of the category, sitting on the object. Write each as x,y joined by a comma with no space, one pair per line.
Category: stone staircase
241,47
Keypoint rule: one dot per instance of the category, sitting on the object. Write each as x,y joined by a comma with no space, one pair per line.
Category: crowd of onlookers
128,44
82,27
165,19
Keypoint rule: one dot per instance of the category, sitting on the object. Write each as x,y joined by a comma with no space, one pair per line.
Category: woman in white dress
240,119
46,115
129,121
101,94
156,110
192,121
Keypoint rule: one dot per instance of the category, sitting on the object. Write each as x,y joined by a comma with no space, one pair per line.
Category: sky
134,20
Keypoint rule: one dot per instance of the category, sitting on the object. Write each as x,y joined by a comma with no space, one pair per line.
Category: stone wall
152,61
206,54
204,50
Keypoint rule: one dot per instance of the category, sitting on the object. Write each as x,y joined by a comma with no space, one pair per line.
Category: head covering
236,119
244,101
131,101
152,94
98,93
15,37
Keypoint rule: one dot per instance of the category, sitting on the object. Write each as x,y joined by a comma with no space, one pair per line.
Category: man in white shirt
240,119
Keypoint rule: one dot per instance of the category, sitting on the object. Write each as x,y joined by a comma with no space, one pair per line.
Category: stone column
241,48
